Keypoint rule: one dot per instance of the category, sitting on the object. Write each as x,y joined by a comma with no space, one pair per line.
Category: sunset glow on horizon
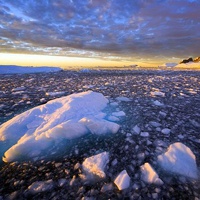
64,62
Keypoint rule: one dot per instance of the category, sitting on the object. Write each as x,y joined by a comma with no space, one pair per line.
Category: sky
98,32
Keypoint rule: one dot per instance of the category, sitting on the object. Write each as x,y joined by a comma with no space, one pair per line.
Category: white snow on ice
179,159
94,166
46,125
122,181
13,69
149,175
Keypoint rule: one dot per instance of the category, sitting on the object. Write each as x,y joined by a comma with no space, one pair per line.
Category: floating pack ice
68,117
179,159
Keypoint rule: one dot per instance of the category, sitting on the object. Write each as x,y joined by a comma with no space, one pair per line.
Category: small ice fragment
126,99
161,94
194,123
166,131
155,124
114,162
41,186
144,134
95,165
123,180
158,103
119,114
113,118
163,114
54,93
114,104
149,175
136,129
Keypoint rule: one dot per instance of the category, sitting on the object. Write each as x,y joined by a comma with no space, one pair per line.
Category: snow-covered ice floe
179,159
46,125
94,166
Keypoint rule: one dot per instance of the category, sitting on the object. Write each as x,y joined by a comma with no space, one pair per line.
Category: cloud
122,29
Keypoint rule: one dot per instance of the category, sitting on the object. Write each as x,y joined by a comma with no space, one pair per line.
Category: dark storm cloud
101,27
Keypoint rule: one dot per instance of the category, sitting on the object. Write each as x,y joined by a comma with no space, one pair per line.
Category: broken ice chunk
126,99
149,175
155,124
41,186
122,181
157,103
161,94
136,129
119,114
95,165
144,134
166,131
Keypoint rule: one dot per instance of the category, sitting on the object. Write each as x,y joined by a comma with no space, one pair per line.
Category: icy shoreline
163,108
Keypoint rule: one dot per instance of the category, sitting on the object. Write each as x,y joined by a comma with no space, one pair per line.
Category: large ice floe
39,128
179,159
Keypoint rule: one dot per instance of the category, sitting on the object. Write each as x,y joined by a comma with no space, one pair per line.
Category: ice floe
179,159
64,118
122,181
125,99
55,93
41,186
136,129
119,114
158,103
166,131
149,175
94,166
158,93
